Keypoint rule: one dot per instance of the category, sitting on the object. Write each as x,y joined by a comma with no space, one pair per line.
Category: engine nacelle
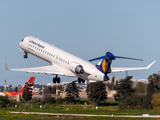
76,68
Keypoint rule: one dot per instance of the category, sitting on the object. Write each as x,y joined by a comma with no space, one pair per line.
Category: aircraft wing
51,69
119,69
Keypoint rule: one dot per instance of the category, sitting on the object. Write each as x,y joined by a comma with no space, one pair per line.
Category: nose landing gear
25,55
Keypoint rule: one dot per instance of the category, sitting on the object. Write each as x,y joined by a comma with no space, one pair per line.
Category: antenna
5,86
126,73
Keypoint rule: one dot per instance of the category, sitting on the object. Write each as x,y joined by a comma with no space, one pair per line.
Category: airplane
29,83
64,63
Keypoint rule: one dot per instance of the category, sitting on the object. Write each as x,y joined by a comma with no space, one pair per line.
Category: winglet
6,66
150,64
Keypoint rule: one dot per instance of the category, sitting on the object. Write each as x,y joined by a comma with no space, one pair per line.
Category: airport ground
27,116
75,109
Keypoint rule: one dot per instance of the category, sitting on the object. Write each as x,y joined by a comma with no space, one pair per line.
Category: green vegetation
52,90
96,92
124,89
156,100
72,109
16,89
78,109
5,102
27,94
141,99
72,91
6,115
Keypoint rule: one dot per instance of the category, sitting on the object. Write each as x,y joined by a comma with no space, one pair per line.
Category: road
89,115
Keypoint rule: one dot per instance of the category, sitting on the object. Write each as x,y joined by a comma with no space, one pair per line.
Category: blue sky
85,28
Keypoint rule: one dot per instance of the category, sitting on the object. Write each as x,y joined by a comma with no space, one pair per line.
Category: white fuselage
60,58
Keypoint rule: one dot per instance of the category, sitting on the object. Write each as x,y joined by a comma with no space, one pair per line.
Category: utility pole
42,89
56,90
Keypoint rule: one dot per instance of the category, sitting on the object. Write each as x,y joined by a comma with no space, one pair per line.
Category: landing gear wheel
56,80
83,81
80,80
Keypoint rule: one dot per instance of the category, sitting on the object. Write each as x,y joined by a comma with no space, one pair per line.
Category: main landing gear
56,79
25,55
80,80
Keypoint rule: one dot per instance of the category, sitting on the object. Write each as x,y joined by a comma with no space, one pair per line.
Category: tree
156,100
132,102
112,83
72,91
27,94
140,88
153,87
4,101
147,102
52,100
16,89
153,90
154,84
52,90
96,92
124,88
46,94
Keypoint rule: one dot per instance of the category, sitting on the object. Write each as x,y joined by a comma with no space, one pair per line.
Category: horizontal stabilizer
111,56
128,58
120,69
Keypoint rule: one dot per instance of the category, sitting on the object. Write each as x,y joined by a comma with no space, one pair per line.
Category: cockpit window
22,40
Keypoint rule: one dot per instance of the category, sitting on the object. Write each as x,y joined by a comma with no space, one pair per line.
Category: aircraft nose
20,44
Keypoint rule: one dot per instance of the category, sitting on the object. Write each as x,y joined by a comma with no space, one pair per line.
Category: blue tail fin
105,66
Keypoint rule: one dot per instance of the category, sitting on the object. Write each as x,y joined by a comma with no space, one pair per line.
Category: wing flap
51,69
119,69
